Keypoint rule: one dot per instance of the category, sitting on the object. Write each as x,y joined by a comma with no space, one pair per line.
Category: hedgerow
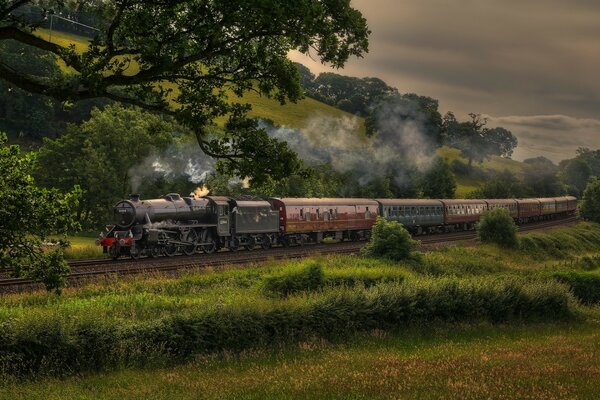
58,347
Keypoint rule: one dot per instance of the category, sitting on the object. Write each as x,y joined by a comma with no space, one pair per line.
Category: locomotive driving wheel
154,251
235,244
251,243
191,237
170,249
135,252
210,244
266,242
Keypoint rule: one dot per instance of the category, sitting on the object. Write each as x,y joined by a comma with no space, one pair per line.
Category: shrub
389,240
497,226
305,277
363,276
590,204
584,284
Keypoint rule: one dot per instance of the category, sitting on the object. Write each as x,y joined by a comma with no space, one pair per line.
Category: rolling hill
296,115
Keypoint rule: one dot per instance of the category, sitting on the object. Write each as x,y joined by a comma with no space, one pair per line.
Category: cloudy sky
530,65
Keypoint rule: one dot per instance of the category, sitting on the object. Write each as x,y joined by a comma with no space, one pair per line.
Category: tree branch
13,7
10,32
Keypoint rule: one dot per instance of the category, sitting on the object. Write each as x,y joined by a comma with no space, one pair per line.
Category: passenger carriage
313,219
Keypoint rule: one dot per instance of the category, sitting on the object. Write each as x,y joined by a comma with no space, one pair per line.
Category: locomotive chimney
134,197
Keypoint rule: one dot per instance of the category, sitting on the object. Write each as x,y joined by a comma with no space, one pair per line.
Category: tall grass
60,346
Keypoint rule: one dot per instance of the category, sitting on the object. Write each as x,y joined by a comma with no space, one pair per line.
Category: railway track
85,270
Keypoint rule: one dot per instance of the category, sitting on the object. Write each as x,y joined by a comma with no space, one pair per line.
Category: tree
541,180
439,182
188,58
497,226
390,240
28,216
421,110
575,174
100,155
351,94
590,204
475,141
500,185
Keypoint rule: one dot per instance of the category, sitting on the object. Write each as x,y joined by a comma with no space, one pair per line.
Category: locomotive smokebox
134,197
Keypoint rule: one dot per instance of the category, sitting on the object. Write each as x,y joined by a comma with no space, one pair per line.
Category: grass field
459,322
549,361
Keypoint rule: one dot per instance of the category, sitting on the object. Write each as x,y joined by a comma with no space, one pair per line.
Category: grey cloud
534,57
554,136
498,57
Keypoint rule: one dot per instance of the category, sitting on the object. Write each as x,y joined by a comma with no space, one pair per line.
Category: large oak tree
187,58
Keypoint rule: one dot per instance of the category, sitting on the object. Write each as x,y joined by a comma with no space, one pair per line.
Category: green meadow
459,322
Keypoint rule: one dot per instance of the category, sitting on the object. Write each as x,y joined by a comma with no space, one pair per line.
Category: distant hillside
293,115
465,184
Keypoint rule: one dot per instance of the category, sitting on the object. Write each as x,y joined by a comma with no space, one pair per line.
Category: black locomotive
174,224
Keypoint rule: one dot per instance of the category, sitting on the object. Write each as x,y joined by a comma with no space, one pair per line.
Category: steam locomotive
186,225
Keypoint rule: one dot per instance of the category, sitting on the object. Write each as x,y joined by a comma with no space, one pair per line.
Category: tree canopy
28,216
476,141
189,59
100,154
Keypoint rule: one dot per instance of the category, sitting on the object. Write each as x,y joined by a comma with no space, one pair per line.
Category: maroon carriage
462,213
571,204
508,204
529,209
314,219
547,207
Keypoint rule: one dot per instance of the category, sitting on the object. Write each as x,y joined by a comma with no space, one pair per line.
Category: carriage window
318,213
301,213
331,212
420,210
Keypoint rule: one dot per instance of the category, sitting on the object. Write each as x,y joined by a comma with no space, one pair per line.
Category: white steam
400,142
179,159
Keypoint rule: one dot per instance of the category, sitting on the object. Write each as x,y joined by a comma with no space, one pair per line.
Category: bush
584,284
307,276
389,240
497,226
590,204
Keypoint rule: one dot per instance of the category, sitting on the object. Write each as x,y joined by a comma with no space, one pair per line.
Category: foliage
207,50
351,94
390,240
590,204
500,185
541,178
475,140
28,217
305,277
561,243
575,174
439,182
421,111
92,344
29,116
584,284
99,155
497,226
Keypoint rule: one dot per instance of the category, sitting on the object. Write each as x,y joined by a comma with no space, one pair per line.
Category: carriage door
223,220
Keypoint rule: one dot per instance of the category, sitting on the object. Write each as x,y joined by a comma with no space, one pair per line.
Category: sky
530,66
